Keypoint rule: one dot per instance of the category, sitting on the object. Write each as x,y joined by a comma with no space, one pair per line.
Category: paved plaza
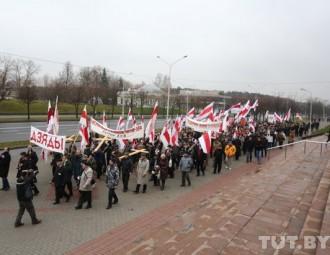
218,214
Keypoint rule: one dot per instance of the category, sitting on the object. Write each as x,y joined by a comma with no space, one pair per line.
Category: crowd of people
154,164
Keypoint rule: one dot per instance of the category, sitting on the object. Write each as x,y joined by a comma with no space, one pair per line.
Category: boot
144,188
36,221
137,190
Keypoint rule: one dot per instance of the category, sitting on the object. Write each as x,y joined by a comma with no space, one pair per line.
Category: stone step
313,221
300,212
325,228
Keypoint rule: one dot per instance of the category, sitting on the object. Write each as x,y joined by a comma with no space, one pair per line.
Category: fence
305,142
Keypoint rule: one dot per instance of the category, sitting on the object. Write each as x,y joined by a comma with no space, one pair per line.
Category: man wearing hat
142,173
185,165
126,170
4,168
24,197
85,185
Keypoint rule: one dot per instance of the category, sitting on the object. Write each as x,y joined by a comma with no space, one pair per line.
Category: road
20,131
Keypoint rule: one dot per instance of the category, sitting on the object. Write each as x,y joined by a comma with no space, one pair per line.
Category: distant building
215,96
150,93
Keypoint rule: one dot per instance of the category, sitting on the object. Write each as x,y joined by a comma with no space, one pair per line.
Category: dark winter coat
59,177
4,164
163,168
23,183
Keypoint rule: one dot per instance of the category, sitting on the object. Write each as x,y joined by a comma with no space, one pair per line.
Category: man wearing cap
230,151
85,185
4,168
24,197
185,165
142,173
126,170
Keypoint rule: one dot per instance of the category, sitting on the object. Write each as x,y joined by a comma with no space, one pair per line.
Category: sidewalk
227,215
213,215
63,228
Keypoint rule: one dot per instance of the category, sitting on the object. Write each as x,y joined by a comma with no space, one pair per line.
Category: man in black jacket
4,168
218,155
249,146
126,170
59,182
68,173
24,197
33,158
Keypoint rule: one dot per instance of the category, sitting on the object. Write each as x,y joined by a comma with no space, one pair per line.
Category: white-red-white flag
50,116
191,112
56,119
176,132
252,124
84,128
298,116
211,117
150,129
104,120
205,142
129,118
225,123
234,108
287,116
121,123
254,105
134,121
205,112
278,118
266,115
165,136
244,111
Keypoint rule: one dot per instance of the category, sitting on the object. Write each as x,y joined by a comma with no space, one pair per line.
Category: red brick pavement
192,223
125,234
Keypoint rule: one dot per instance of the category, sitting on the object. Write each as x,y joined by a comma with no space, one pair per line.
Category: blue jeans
5,183
258,155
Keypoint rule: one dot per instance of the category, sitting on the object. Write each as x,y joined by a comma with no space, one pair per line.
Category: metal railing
285,147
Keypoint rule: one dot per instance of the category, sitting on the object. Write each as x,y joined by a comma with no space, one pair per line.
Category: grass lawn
14,106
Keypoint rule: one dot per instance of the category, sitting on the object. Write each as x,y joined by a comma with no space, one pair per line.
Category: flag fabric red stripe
205,142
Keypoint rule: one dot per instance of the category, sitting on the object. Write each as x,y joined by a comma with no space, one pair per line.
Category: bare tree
142,94
6,84
115,86
77,93
67,75
25,82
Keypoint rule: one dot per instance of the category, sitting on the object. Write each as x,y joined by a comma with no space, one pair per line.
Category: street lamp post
310,109
123,104
170,66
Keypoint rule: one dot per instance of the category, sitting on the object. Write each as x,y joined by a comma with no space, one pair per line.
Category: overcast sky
267,46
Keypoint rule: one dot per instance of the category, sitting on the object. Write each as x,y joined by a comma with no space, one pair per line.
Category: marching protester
230,151
112,180
25,197
189,148
85,185
76,159
185,166
68,173
163,170
59,183
142,174
249,146
5,159
200,158
33,158
126,170
218,155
